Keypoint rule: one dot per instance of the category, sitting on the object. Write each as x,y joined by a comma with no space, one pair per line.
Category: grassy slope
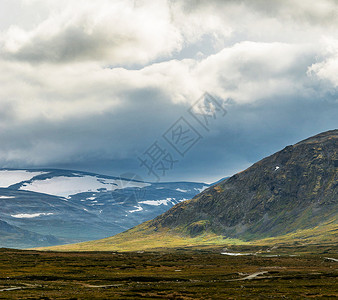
144,238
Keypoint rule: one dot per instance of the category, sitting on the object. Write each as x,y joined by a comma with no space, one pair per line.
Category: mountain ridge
291,194
13,236
280,179
76,206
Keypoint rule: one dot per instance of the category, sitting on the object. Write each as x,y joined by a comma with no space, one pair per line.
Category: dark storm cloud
110,135
111,142
61,106
248,133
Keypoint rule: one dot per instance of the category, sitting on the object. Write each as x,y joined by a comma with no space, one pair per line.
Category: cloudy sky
115,86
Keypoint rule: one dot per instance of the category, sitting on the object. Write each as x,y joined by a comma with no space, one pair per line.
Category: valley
269,231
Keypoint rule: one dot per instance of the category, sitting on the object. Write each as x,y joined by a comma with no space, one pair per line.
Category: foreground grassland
182,273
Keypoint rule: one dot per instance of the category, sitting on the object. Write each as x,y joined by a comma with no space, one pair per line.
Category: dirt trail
100,286
331,259
14,288
249,277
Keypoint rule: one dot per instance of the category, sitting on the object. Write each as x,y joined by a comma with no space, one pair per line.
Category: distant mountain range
48,207
15,237
290,196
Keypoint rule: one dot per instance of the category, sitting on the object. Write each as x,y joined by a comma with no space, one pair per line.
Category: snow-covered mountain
75,206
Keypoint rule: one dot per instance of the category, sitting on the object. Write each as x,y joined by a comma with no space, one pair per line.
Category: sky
165,90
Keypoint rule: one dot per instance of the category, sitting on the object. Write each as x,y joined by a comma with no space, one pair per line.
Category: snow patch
7,197
124,184
277,167
10,177
180,190
155,202
29,216
64,186
158,202
138,208
202,188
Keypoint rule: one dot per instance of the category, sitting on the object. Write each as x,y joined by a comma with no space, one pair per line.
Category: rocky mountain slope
296,188
292,193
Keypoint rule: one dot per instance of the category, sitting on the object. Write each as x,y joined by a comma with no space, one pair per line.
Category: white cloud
116,32
78,71
327,68
251,71
245,72
113,32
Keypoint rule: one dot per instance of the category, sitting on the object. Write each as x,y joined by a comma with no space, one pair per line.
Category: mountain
12,236
291,195
79,206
